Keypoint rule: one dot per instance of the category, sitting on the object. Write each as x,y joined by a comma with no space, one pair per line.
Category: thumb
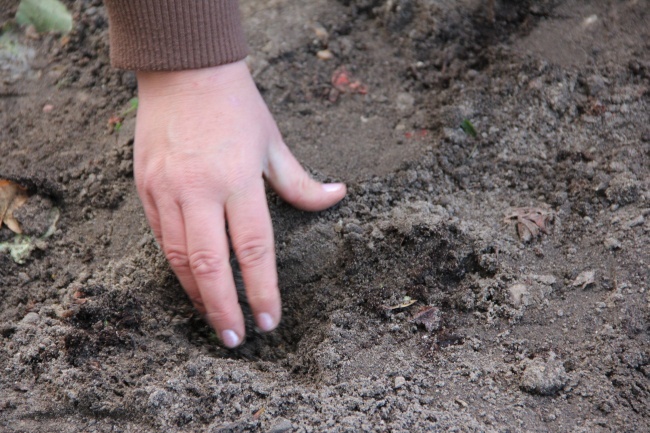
293,184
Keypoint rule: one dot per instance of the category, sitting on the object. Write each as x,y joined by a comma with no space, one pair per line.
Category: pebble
325,55
544,377
404,101
281,425
399,382
31,319
47,108
321,33
638,221
612,244
518,294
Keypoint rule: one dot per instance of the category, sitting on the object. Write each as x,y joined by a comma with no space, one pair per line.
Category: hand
204,142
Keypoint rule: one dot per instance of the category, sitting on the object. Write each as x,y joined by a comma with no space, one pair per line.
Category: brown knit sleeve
168,35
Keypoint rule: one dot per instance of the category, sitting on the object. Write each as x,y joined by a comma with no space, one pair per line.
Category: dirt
411,306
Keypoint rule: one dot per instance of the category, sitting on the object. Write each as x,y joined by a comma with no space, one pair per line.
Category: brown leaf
429,317
530,221
12,196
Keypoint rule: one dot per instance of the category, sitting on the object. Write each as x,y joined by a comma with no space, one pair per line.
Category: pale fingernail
265,322
230,338
332,187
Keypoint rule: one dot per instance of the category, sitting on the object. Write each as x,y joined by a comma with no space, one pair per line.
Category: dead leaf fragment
407,302
429,317
12,196
259,413
585,279
530,221
344,82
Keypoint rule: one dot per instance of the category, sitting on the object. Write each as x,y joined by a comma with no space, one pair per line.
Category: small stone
547,280
518,294
31,319
638,221
404,101
596,84
544,377
325,55
585,279
47,108
623,190
281,425
612,244
321,33
399,382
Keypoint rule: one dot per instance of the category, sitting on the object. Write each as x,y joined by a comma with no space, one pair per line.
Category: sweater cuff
171,35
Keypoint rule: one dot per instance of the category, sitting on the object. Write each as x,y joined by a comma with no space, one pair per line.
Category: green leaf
44,15
133,102
467,126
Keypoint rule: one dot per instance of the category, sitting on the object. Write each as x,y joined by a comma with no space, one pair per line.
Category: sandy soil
549,335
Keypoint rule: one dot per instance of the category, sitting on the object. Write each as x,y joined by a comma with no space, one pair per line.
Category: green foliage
133,106
44,15
468,128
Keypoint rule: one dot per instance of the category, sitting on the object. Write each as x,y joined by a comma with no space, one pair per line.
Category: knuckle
300,189
253,253
216,317
177,258
207,263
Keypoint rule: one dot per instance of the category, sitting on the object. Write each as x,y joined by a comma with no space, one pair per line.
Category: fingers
208,261
251,234
293,184
196,246
173,242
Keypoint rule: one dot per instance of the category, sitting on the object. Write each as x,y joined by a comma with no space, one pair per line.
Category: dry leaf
585,279
429,317
12,196
530,221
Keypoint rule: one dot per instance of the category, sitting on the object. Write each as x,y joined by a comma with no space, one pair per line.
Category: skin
204,143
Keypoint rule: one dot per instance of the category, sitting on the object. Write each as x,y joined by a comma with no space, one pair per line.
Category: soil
501,335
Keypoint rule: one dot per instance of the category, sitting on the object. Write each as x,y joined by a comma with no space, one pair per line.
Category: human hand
204,142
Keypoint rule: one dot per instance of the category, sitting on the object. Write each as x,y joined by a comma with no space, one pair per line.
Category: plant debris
430,317
344,82
468,128
531,222
115,122
44,15
406,302
585,279
12,196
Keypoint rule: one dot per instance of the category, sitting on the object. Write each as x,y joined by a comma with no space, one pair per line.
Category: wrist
193,81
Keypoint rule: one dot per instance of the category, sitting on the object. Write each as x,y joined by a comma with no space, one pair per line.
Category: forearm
167,35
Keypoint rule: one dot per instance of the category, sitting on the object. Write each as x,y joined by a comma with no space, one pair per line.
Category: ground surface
97,335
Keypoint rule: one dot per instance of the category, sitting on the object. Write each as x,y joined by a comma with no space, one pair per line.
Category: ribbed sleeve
169,35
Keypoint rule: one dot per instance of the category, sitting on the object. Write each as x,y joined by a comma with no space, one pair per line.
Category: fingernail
332,187
265,322
229,338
